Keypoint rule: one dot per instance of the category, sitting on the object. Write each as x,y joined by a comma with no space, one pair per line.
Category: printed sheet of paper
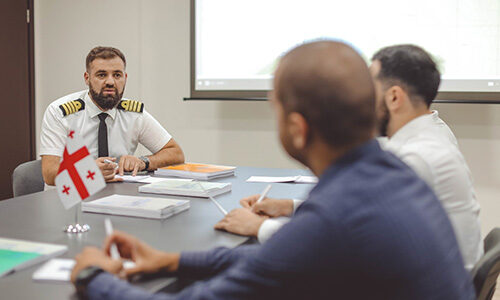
291,179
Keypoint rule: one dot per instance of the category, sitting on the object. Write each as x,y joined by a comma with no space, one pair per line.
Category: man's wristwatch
146,162
84,278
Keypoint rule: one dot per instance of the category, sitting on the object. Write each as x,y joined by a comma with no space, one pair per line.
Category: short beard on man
383,121
106,101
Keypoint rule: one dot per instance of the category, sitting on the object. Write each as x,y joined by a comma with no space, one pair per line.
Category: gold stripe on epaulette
72,107
131,105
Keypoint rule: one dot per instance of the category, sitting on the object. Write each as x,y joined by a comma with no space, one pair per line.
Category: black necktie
102,137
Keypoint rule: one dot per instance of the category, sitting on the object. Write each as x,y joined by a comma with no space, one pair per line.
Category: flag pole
76,228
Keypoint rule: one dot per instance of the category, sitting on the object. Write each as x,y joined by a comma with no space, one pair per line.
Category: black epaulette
131,105
72,107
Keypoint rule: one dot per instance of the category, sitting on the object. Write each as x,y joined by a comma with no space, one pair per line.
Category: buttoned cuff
270,227
296,204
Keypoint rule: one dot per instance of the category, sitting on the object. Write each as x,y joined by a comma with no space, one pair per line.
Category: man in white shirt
407,80
111,126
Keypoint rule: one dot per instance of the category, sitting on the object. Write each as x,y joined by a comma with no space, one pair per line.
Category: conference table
40,217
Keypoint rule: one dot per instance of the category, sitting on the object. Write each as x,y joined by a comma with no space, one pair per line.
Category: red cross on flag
78,176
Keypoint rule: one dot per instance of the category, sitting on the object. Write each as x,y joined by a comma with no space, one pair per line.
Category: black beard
105,102
383,122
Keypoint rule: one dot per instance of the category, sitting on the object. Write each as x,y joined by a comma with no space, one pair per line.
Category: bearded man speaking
110,125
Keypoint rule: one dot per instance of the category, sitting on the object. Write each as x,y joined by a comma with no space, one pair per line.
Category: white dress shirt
429,147
125,128
270,226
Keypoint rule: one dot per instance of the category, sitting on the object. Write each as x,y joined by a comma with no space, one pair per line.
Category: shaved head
330,85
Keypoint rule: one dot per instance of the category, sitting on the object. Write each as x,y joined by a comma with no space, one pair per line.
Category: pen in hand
113,250
264,193
111,162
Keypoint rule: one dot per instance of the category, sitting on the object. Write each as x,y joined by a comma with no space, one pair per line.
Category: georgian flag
78,176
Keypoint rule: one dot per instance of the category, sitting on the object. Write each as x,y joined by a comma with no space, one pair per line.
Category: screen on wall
238,43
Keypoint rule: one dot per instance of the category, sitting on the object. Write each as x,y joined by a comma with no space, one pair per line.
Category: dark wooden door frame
17,89
31,54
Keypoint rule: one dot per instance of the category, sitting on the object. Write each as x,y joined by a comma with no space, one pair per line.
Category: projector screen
236,44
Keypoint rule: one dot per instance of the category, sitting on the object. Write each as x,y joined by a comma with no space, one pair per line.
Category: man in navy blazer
370,228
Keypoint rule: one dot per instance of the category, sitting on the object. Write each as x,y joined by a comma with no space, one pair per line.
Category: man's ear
395,97
298,130
86,77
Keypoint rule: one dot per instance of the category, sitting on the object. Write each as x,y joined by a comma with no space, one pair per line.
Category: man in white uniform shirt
111,126
407,80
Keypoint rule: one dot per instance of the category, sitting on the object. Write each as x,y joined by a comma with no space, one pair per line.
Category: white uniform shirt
125,128
429,147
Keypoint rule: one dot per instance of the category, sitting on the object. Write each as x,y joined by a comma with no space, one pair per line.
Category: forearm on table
170,154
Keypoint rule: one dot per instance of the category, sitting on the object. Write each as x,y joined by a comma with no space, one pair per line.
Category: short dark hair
330,85
412,67
104,53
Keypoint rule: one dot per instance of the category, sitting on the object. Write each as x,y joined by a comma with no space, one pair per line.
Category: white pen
109,231
264,193
111,162
222,210
218,205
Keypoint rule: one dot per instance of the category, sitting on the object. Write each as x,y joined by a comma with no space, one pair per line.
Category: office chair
27,178
486,271
492,239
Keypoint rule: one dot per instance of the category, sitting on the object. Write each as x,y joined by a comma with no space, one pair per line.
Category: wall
154,35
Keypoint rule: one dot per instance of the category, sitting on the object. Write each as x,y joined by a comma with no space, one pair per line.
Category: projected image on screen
238,43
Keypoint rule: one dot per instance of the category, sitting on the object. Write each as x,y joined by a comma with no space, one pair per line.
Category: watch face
146,161
87,274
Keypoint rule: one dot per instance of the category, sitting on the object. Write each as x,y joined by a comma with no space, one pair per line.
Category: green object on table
10,259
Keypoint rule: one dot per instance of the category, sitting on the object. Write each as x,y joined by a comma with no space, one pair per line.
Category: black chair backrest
487,269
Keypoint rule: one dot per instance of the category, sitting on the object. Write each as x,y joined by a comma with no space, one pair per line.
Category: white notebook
136,206
183,188
59,270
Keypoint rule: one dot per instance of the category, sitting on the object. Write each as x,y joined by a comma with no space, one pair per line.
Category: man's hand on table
268,206
241,221
92,256
147,259
130,163
108,170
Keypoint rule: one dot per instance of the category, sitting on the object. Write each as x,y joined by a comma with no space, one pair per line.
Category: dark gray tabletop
41,217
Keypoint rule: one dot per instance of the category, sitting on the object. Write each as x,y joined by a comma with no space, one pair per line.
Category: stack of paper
16,254
183,188
196,171
136,206
295,179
